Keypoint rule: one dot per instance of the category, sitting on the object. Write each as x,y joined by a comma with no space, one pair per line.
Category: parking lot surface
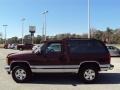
108,80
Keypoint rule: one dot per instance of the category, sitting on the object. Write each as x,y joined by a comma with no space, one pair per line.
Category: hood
20,54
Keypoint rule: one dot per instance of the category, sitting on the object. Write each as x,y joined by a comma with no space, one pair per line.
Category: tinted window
97,46
85,46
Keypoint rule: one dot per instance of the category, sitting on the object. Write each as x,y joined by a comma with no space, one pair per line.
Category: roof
67,39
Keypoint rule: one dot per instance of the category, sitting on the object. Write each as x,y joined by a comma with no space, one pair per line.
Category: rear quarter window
86,46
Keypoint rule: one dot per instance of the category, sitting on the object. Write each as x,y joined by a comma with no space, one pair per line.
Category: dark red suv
85,57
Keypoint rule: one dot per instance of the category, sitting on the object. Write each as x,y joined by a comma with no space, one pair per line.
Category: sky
64,16
105,13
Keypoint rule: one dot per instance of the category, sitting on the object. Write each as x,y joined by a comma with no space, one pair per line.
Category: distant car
13,46
25,46
6,46
114,51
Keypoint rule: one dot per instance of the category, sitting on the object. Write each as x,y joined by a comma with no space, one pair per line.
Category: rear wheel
21,74
88,74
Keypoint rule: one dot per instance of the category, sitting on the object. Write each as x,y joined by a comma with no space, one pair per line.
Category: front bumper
106,67
7,68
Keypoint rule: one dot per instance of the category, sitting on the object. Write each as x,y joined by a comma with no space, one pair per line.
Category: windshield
37,48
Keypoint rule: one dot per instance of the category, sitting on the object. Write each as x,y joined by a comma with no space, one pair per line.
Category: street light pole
5,32
89,32
44,25
43,37
23,19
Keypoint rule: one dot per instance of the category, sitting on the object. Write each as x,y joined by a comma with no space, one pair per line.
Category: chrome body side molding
59,68
54,70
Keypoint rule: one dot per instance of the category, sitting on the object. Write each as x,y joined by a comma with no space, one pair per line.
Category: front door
53,54
56,59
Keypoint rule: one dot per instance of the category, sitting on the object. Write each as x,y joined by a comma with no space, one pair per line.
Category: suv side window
53,47
85,46
78,46
96,46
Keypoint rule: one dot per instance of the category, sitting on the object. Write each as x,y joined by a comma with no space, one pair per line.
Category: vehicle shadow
109,78
72,79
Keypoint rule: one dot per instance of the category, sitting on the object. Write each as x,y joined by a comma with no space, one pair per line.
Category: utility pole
5,26
23,19
44,25
89,32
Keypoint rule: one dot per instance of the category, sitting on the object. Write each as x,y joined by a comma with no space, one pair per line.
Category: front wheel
20,74
88,75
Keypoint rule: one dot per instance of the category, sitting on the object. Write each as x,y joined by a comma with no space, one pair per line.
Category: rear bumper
106,67
7,68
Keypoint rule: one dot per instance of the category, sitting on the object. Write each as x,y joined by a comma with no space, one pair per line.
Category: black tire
88,74
21,74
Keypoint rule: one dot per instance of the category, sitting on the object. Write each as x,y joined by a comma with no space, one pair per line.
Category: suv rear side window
85,46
